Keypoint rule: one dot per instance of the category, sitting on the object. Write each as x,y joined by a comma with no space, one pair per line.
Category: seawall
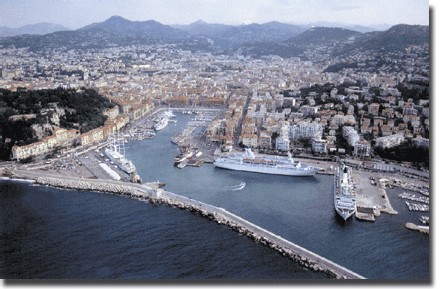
153,194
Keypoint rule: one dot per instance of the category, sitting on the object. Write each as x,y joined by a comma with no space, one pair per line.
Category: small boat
239,187
185,154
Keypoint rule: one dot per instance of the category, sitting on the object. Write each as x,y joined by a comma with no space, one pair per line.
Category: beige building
265,141
61,138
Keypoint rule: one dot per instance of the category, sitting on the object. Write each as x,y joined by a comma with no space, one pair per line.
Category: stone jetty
154,194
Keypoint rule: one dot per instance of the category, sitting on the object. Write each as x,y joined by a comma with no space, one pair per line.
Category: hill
398,37
119,26
230,36
272,38
26,116
295,46
340,42
113,32
38,29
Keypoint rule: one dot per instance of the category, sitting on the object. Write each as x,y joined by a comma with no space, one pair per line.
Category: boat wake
238,187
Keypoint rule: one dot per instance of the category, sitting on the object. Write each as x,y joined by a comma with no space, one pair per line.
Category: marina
306,194
413,197
417,207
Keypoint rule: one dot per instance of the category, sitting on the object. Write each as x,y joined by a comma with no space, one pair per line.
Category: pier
154,194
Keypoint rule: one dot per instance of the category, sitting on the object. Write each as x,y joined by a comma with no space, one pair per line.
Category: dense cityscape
348,104
271,102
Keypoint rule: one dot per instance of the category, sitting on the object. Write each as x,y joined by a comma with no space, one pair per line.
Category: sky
75,14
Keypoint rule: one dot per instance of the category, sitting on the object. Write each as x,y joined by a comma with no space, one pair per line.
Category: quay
151,192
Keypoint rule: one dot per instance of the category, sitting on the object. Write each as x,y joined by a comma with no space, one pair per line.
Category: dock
195,163
366,214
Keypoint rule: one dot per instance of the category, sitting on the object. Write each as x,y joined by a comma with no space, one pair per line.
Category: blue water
299,209
49,233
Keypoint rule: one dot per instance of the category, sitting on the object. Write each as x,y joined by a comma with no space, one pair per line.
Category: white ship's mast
117,143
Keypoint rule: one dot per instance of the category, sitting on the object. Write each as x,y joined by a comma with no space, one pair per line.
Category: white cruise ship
344,192
162,123
275,165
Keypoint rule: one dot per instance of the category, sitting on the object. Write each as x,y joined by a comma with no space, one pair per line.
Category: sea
49,233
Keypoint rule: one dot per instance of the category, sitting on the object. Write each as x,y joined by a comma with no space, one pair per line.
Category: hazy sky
78,13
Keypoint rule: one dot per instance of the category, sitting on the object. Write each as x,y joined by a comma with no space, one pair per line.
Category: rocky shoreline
153,194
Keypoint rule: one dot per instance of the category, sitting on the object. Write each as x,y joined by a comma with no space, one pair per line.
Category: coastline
152,193
64,167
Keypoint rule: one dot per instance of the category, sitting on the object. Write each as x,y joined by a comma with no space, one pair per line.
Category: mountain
38,29
358,28
113,32
340,42
266,32
322,36
202,28
295,46
230,36
120,26
272,38
398,37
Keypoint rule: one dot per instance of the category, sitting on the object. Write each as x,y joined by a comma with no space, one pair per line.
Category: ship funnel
289,156
249,153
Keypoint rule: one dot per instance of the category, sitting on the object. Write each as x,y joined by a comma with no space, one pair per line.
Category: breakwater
150,192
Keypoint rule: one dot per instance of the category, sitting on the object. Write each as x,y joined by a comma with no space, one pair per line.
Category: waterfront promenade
152,193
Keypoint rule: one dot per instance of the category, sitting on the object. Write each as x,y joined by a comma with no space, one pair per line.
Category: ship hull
120,162
161,126
285,171
343,211
344,194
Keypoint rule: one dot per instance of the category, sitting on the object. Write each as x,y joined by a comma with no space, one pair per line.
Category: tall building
362,148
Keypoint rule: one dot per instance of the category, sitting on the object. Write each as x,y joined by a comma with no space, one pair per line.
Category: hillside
295,46
26,116
397,38
272,38
38,29
321,36
119,26
113,32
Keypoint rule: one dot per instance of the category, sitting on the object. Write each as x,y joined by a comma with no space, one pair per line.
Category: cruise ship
115,153
162,123
344,192
275,165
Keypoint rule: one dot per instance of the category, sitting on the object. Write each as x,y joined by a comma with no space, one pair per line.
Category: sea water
52,233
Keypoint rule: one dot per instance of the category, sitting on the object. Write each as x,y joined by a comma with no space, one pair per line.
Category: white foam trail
239,187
